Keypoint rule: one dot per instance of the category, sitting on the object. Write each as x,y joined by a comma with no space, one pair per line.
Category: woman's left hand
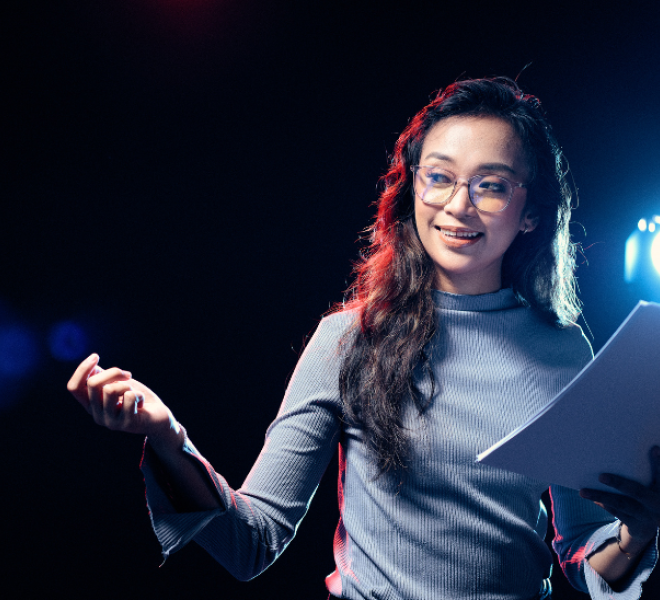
636,506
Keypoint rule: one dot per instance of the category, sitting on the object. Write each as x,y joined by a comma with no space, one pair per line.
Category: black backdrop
188,180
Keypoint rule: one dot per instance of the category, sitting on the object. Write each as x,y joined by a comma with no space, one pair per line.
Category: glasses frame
514,185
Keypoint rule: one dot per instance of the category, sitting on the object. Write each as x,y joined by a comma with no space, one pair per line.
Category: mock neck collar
500,300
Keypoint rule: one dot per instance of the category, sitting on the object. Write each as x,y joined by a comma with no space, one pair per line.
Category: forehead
469,142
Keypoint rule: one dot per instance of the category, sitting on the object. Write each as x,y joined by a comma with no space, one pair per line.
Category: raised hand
121,403
117,401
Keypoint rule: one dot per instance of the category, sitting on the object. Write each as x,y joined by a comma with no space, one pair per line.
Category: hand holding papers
605,421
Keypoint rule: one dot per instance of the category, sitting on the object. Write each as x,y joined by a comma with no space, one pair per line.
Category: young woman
459,328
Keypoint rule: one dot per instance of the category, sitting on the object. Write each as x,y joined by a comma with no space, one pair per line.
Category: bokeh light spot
18,351
68,341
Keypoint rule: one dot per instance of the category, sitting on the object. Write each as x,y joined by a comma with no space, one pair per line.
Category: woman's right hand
120,403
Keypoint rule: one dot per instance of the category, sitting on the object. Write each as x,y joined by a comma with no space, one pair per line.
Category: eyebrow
482,167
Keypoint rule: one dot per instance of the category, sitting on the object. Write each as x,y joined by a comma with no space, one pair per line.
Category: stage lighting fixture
642,259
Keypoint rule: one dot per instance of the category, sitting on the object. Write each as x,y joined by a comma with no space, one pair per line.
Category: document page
606,420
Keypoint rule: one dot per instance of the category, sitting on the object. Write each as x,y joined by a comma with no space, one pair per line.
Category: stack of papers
605,421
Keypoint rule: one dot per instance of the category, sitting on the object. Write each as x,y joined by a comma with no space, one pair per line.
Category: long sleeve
495,364
581,528
257,521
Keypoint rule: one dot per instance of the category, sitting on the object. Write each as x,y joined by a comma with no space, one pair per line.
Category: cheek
514,217
423,223
424,215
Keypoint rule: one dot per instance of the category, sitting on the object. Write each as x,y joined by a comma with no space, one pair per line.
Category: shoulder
339,323
332,335
334,330
320,362
567,341
575,337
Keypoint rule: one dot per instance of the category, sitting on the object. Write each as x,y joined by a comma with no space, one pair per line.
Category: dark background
186,180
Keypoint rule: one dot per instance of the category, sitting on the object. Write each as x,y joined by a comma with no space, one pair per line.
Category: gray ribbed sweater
456,529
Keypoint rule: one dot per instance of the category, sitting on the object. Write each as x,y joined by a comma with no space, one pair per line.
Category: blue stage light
642,258
655,252
68,341
633,244
19,351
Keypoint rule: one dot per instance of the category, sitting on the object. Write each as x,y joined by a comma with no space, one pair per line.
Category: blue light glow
19,352
632,255
655,253
642,259
68,341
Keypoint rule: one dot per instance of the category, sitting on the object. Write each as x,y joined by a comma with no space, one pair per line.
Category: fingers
616,504
112,398
118,405
77,385
106,391
117,401
628,487
646,497
133,401
638,521
88,381
636,505
122,415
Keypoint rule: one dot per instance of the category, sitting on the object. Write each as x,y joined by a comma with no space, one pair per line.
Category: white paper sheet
605,421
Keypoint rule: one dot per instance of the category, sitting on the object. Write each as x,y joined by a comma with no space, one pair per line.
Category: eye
437,177
492,185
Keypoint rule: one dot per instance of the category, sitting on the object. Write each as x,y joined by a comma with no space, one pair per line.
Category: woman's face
467,245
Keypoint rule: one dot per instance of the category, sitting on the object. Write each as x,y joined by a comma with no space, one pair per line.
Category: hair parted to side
392,291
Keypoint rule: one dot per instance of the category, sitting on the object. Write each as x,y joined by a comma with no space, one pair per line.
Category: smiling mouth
459,238
458,234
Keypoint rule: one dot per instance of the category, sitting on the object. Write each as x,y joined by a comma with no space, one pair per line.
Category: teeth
460,234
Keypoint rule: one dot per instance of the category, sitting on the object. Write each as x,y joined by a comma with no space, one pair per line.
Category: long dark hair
392,291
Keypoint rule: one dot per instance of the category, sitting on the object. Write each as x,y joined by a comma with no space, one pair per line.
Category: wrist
168,437
633,544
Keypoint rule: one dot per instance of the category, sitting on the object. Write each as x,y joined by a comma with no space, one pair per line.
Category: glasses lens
490,193
434,186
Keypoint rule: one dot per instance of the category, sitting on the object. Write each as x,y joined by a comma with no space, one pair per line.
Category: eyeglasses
487,193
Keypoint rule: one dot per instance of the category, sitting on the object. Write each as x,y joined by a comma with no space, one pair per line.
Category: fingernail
585,494
127,374
95,371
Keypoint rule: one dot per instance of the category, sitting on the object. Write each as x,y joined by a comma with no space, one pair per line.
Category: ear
529,222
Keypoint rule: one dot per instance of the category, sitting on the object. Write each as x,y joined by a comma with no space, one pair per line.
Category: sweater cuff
599,589
172,528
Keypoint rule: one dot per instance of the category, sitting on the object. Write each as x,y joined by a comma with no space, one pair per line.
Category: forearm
191,486
616,560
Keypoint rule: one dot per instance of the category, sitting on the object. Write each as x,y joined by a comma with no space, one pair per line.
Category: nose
459,204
